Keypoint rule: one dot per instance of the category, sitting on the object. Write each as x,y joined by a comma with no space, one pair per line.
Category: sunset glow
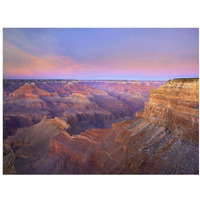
145,54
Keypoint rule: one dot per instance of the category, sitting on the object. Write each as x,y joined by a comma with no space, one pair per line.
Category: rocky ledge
175,105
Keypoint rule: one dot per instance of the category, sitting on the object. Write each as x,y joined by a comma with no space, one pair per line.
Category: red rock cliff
175,105
162,140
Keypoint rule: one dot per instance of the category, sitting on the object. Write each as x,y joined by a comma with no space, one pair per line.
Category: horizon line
85,79
96,79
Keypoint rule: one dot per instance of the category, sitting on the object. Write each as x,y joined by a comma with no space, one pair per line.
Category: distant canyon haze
82,104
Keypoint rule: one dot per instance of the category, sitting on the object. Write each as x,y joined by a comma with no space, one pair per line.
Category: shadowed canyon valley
101,127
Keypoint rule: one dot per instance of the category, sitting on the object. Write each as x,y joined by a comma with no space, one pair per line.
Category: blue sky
80,53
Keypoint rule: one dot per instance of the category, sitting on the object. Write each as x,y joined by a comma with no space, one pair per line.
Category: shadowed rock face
143,146
31,144
8,160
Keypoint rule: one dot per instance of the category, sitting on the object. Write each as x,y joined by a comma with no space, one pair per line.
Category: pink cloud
20,63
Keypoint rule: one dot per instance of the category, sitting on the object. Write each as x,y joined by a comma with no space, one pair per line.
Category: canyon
101,127
82,104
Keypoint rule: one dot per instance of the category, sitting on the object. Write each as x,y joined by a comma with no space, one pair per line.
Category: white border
104,13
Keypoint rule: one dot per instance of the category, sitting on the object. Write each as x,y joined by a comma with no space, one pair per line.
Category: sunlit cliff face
144,54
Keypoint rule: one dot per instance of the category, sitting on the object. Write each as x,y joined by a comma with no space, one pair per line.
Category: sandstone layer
161,140
175,105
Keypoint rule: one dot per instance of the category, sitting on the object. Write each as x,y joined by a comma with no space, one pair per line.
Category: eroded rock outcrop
29,90
176,106
8,160
142,146
31,144
29,96
78,99
81,103
161,140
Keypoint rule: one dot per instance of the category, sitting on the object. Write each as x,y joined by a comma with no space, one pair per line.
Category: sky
100,53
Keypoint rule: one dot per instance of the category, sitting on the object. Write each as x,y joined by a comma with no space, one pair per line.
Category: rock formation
161,140
78,99
8,160
81,104
176,106
29,89
31,144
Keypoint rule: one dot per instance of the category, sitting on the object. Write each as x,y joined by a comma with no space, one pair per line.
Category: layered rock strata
162,140
80,104
175,105
143,146
31,144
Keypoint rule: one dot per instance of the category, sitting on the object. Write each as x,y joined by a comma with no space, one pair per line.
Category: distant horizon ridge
29,79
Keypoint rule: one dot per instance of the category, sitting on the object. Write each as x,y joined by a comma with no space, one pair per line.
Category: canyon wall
175,105
156,142
163,139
